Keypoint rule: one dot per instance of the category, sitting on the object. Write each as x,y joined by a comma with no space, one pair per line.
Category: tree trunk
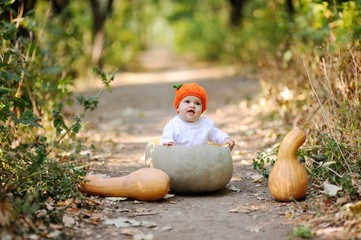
58,5
236,12
100,14
290,9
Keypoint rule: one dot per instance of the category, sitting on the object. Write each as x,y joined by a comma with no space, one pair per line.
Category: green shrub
34,133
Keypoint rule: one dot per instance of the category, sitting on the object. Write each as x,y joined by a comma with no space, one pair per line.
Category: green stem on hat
177,86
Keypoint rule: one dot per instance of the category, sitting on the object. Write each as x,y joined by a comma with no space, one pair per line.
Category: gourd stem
290,144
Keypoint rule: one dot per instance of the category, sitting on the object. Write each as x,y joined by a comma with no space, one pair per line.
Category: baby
189,127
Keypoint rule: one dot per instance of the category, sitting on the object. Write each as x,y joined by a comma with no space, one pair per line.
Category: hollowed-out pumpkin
192,169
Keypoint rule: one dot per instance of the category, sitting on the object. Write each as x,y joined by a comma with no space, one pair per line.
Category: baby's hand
169,144
229,141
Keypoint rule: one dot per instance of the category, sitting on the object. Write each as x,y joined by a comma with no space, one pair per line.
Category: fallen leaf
92,201
95,218
65,204
342,200
56,226
165,228
125,210
49,206
148,224
331,190
54,234
234,189
144,212
87,212
115,199
130,231
30,222
260,198
244,209
41,212
122,222
128,222
73,211
32,237
168,196
68,220
256,178
356,208
254,229
289,215
148,236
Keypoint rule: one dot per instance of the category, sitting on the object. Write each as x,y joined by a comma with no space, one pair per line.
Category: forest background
306,54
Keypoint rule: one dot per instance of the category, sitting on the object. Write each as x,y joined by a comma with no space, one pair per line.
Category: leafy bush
34,133
31,90
324,97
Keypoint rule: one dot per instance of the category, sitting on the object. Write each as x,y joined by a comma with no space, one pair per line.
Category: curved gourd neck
290,144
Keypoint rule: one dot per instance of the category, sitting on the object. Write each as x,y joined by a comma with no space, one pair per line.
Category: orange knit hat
190,89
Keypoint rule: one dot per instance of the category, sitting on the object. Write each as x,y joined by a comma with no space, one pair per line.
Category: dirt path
135,112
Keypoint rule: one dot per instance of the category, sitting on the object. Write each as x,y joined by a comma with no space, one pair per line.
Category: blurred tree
290,9
20,8
236,12
17,9
101,10
59,5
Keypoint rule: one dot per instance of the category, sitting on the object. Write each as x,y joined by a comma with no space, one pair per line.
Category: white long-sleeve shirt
199,132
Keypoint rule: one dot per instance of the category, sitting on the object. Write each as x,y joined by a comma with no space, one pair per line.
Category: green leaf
91,103
77,125
177,86
58,122
52,70
303,231
28,119
4,90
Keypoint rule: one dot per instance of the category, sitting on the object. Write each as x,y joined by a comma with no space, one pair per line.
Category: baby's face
190,108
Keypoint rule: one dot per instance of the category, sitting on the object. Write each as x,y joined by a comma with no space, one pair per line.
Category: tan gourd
288,178
147,184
